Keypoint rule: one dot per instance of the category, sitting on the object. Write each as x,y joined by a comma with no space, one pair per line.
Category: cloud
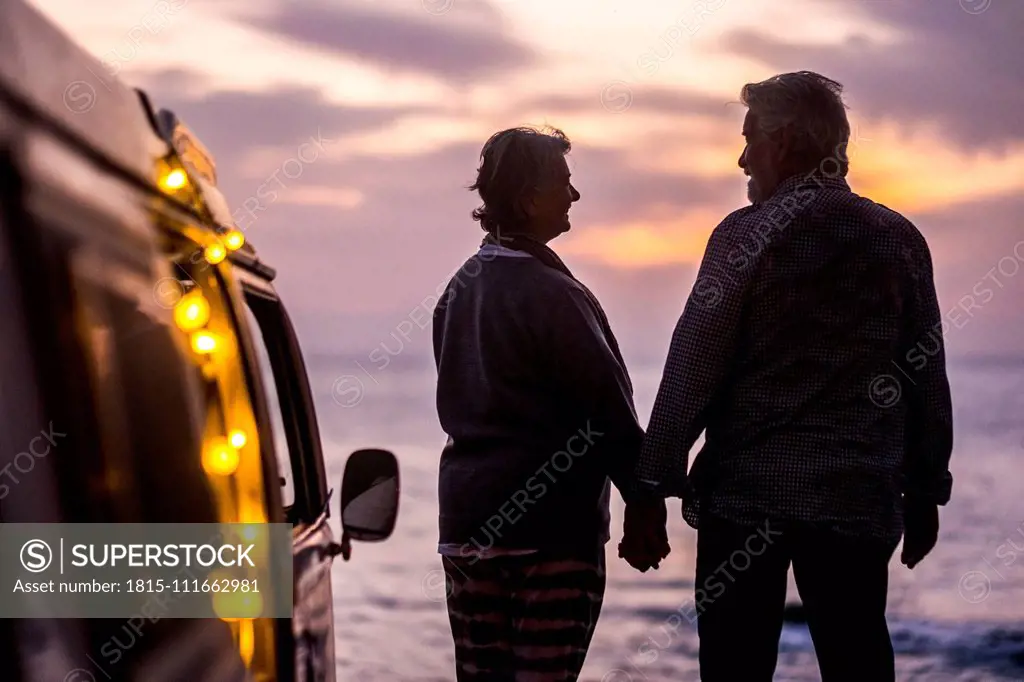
234,123
431,45
362,242
946,66
632,98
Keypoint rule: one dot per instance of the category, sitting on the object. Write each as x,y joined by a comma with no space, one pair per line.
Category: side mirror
369,495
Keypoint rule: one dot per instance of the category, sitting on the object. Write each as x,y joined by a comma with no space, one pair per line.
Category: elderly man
806,353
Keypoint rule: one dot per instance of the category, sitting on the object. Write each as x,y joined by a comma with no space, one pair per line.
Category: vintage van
142,337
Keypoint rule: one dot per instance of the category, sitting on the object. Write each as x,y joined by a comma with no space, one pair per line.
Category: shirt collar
498,250
815,179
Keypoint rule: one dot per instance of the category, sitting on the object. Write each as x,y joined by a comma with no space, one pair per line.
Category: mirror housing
369,495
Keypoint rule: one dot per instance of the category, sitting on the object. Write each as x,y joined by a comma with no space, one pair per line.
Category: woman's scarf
542,252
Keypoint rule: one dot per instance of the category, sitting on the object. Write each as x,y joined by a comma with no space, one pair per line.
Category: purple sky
402,94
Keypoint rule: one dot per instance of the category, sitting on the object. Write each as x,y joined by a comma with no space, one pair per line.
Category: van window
284,457
135,468
295,431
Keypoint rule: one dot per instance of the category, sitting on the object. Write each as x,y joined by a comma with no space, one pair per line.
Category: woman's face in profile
549,207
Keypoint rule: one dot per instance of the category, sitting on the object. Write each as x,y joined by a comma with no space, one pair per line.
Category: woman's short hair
514,163
811,106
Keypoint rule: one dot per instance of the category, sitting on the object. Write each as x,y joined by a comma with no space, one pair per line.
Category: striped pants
526,618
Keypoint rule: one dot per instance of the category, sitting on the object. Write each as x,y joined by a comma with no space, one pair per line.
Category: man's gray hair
513,163
811,106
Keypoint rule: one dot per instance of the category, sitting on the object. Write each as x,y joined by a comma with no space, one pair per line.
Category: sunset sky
403,93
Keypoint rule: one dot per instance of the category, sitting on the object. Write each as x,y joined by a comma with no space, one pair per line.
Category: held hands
920,530
644,534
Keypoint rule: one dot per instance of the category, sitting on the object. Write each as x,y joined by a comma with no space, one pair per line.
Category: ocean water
958,616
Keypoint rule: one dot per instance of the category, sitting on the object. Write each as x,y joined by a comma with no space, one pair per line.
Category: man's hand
920,530
644,534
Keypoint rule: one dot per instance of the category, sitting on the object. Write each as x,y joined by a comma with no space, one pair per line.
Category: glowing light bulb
176,179
204,342
234,240
215,253
192,312
219,458
237,438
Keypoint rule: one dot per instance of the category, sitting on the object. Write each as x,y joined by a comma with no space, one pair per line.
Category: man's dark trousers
740,594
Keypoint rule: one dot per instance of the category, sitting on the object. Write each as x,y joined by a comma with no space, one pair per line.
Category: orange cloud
661,239
920,171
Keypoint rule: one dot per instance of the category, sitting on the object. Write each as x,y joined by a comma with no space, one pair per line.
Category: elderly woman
535,398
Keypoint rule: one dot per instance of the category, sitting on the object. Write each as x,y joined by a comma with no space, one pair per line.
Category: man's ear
784,143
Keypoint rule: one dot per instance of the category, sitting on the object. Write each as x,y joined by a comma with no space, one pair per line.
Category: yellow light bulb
237,438
176,179
234,240
204,342
192,312
215,253
219,458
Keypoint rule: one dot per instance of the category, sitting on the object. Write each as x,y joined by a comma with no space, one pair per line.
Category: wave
995,647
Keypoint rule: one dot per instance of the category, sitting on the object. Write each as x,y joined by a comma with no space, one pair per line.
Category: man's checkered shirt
811,351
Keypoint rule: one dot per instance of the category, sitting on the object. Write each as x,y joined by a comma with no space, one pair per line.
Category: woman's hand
644,534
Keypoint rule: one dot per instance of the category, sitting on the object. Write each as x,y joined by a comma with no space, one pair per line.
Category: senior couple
787,355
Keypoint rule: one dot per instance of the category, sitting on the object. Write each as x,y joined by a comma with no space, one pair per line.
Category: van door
276,365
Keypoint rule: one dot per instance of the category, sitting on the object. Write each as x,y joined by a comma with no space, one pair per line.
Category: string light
215,253
204,342
219,458
234,240
237,438
192,312
174,180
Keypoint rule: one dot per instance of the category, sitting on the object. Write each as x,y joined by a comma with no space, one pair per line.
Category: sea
958,616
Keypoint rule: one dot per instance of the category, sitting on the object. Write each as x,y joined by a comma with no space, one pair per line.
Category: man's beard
753,193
